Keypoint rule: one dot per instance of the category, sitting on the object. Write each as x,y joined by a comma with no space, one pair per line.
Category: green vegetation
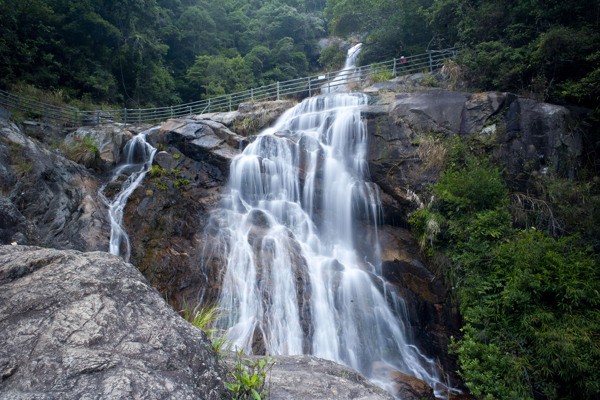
83,151
181,182
156,171
382,76
161,52
543,49
333,57
155,52
530,301
248,379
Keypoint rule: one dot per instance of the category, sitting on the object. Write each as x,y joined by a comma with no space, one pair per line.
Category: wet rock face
430,318
524,135
57,197
165,217
87,325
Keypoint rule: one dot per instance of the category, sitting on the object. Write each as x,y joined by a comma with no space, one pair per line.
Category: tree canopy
543,49
150,52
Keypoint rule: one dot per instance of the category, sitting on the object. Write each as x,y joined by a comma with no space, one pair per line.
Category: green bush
249,377
537,304
332,57
530,303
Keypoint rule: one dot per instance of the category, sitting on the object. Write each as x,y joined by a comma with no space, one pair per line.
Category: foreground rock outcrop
87,325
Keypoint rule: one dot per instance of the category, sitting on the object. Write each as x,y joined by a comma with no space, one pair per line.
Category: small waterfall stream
138,155
297,233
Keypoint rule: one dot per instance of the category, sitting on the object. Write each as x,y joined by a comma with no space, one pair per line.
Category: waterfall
296,242
138,155
346,74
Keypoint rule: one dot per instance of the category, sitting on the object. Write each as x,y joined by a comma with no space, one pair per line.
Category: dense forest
159,52
527,286
156,52
547,49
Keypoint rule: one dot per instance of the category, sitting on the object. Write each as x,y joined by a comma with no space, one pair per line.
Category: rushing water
346,74
299,206
138,155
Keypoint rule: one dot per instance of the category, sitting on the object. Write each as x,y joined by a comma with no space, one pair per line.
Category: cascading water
345,75
287,238
138,155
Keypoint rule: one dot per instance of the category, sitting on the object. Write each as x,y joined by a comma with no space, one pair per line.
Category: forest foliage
529,295
156,52
546,49
159,52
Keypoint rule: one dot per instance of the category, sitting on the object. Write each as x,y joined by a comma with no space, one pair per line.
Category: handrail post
430,63
277,90
125,116
76,119
394,71
171,111
229,102
209,104
328,84
309,88
252,94
139,116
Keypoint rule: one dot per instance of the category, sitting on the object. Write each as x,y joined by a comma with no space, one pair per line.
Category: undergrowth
248,378
523,269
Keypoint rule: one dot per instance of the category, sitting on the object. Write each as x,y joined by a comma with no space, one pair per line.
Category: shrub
249,377
530,303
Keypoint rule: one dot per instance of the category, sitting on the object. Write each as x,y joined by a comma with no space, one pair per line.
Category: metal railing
301,87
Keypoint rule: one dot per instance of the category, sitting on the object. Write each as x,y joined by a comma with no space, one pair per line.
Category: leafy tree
543,49
140,52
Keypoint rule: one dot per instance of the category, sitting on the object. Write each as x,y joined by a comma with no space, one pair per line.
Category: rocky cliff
407,130
47,199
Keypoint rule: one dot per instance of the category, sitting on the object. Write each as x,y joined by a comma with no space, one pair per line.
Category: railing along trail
307,86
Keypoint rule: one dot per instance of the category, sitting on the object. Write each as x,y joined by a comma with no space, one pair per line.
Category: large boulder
308,377
56,196
87,325
110,140
201,140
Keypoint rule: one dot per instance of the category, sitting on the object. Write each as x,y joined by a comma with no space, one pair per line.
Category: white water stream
294,280
138,156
